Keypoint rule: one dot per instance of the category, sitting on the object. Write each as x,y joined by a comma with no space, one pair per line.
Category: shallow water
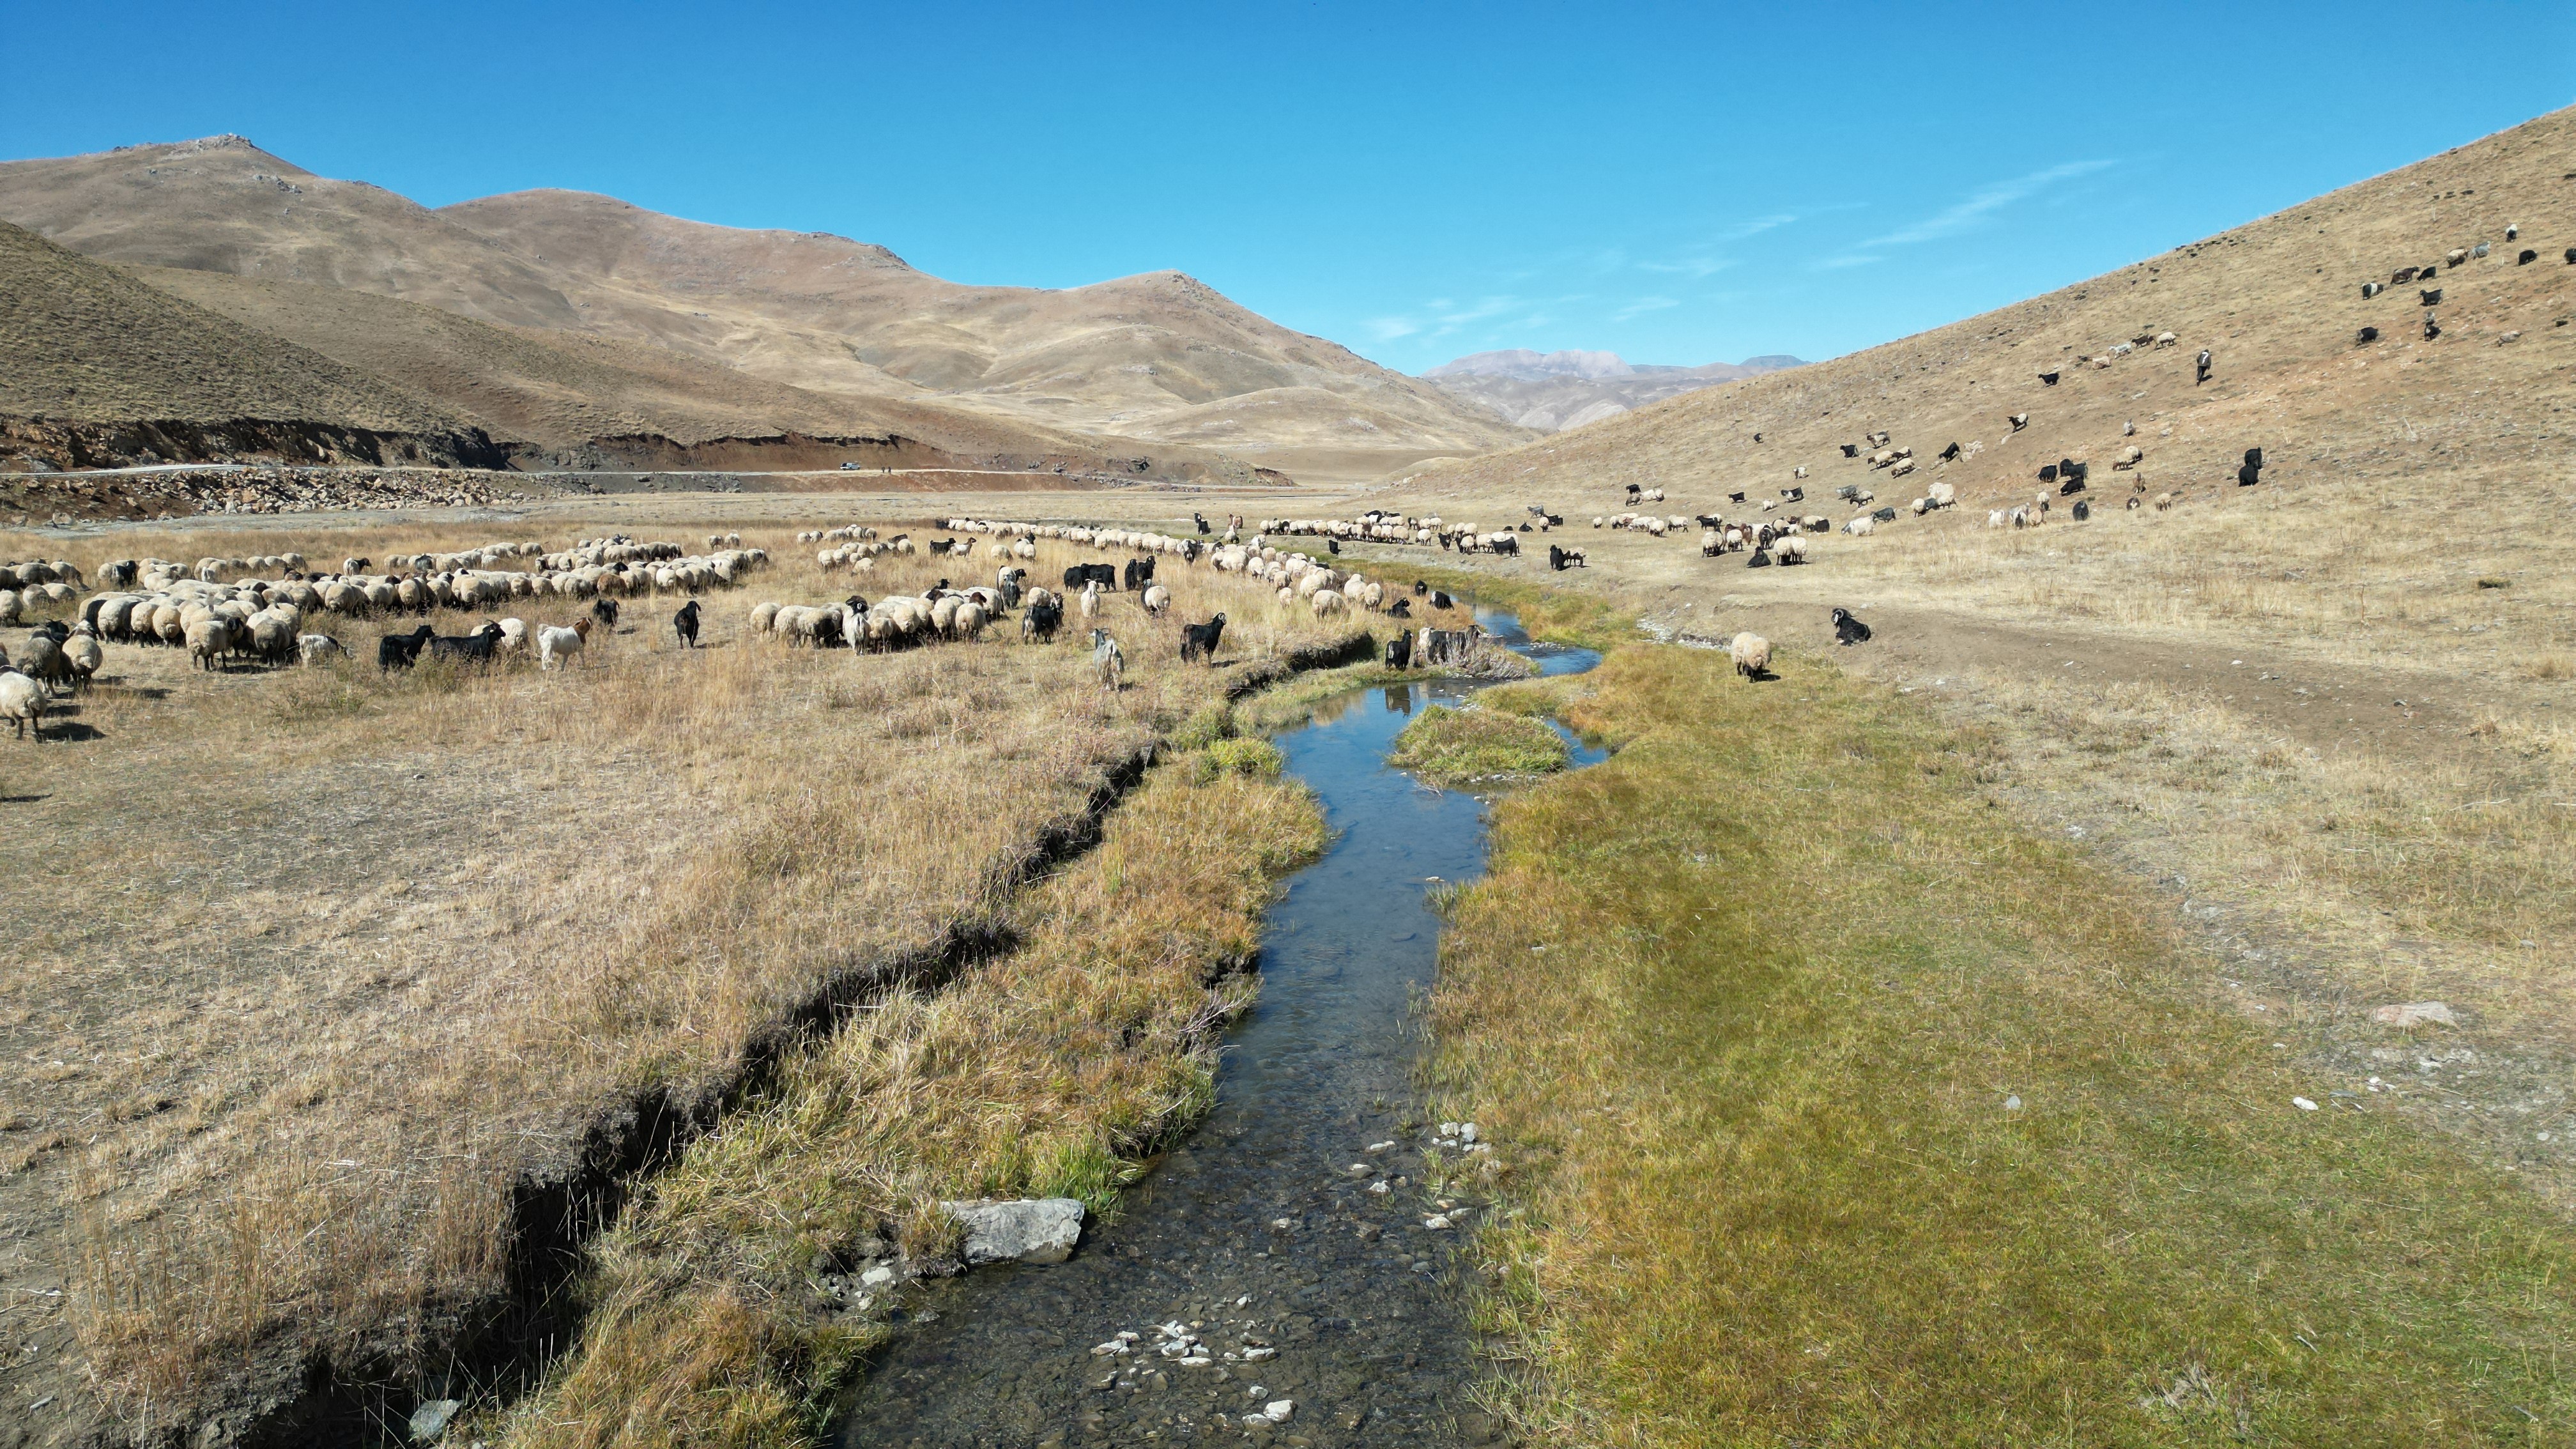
1255,1233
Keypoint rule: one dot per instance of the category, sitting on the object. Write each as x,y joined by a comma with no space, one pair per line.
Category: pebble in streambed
1317,1309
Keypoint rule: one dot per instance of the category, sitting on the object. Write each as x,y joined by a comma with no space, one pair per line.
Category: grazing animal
2367,336
2372,289
2019,421
476,647
1950,452
2525,257
559,647
605,611
1105,575
402,651
1044,616
2201,365
1420,588
2432,326
2432,296
1199,641
1849,630
1157,599
2083,509
1439,600
1399,650
22,703
1140,572
685,624
1108,660
318,648
1009,582
1752,655
1400,609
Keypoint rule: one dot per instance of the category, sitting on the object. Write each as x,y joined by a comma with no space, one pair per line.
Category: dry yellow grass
718,1313
329,961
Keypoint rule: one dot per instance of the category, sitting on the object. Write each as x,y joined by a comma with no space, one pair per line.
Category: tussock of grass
1449,746
1043,1073
1754,1098
1258,758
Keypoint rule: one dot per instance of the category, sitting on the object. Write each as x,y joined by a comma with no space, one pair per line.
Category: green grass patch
1257,758
1559,616
1836,1108
1450,746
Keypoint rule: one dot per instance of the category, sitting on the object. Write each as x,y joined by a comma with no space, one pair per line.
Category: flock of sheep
262,608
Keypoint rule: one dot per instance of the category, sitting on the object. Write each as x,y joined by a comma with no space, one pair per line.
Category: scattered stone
1437,1222
876,1277
429,1421
2414,1013
2013,1102
1029,1230
1378,1186
2303,1104
1466,1131
1279,1411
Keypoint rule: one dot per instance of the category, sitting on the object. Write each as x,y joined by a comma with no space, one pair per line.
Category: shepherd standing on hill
2204,368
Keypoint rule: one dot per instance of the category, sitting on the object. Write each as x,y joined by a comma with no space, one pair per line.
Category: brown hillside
97,367
1129,358
2374,451
564,392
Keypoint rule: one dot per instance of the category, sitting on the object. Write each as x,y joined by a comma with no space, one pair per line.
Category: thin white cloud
1848,259
1641,307
1755,226
1440,317
1693,267
1988,200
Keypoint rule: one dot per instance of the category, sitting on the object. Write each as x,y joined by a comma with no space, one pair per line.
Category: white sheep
22,703
1752,654
1157,599
1327,602
318,648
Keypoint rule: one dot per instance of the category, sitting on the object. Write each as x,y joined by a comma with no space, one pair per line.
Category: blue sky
1675,183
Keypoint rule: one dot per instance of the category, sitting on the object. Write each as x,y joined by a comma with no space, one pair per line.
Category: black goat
605,611
1420,588
1949,452
1199,641
685,624
2083,509
2368,336
1399,651
1043,618
476,647
1848,630
402,651
1400,609
1439,600
1140,572
1080,574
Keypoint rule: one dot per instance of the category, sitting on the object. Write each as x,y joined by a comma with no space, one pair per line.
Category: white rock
2013,1103
1466,1131
2414,1013
1378,1186
1436,1222
429,1421
877,1277
1030,1230
1379,1146
2303,1104
1197,1360
1279,1411
1256,1355
1448,1129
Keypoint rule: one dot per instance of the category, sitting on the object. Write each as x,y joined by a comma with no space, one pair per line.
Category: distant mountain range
1549,392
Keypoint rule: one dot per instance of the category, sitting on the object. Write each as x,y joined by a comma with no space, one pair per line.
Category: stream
1260,1236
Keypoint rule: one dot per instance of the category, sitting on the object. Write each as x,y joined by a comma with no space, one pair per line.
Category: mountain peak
1531,366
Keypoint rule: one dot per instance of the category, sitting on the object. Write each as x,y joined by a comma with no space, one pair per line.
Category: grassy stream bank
1839,1108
